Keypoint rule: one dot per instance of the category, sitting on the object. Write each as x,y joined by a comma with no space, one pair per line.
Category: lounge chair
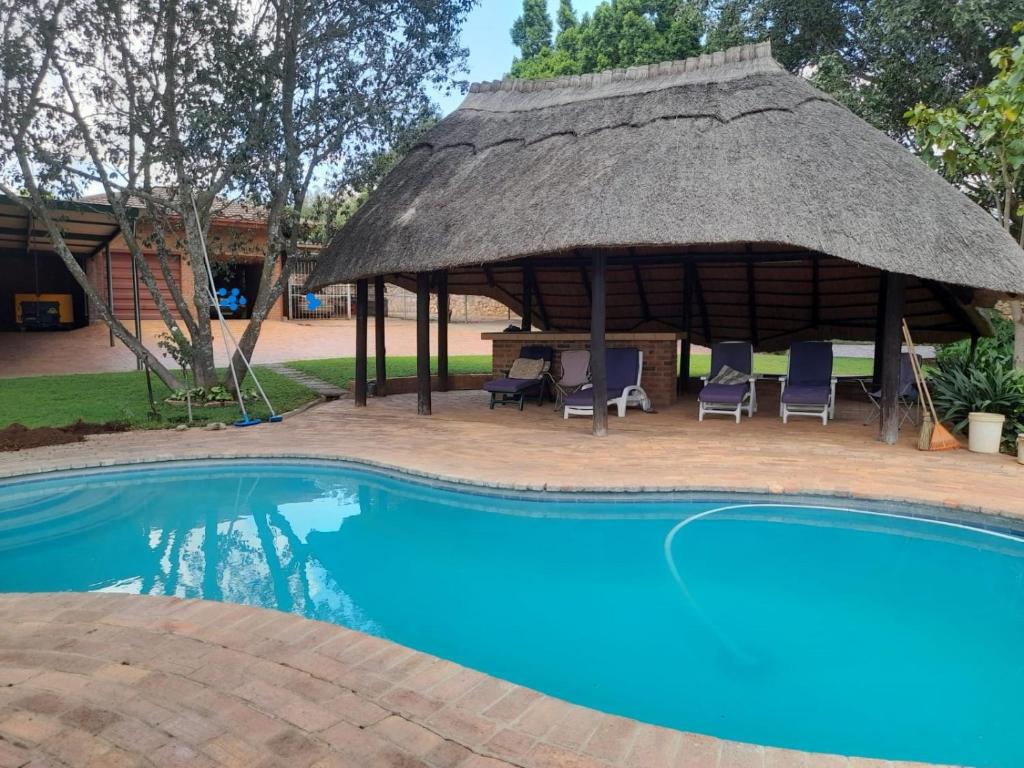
809,388
511,389
624,368
575,372
732,392
906,397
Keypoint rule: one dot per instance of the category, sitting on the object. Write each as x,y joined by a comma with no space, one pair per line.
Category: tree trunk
1017,310
203,365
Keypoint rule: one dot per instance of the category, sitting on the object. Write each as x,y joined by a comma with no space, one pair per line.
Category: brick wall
660,359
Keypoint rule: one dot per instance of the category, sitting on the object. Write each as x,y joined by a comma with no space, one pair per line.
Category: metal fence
332,301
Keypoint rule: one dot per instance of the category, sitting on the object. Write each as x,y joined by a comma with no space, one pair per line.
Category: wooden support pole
752,305
110,288
442,331
598,362
705,318
423,343
892,344
684,362
536,294
876,372
645,307
362,301
380,350
527,324
815,293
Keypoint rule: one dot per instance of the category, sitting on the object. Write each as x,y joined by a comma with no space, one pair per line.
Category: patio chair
624,368
512,388
809,388
906,397
575,372
730,386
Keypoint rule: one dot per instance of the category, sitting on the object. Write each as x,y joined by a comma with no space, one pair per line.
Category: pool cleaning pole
274,417
212,287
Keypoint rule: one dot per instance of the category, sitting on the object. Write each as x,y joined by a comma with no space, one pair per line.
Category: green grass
775,365
56,401
341,370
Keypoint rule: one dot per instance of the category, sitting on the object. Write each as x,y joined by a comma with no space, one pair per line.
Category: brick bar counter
661,355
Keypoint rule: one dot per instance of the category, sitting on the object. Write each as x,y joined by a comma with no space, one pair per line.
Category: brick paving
87,350
109,680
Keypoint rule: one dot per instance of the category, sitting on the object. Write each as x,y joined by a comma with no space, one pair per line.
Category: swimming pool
796,626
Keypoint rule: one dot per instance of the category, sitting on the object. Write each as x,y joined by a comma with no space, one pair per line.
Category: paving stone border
91,680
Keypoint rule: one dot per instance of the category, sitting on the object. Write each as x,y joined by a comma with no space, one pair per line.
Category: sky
486,35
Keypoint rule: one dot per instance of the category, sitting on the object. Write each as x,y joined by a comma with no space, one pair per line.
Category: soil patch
17,436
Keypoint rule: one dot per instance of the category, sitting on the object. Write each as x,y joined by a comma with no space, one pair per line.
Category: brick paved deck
208,684
104,681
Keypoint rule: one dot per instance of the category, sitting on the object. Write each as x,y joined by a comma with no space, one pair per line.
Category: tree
620,33
173,105
325,214
881,56
566,16
531,32
979,144
727,26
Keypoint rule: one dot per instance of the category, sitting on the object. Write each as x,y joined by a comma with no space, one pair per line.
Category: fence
332,301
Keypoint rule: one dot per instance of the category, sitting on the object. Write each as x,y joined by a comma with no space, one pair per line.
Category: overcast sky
486,35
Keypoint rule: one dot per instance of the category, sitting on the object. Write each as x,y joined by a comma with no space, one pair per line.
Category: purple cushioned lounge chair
505,390
623,369
729,399
809,389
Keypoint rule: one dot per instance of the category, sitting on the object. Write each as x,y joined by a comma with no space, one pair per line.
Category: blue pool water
801,627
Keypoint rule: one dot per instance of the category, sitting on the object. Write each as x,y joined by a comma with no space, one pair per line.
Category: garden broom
940,438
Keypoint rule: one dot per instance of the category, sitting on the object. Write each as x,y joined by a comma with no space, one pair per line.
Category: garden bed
16,437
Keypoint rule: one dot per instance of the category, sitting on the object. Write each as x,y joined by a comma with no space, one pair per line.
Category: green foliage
531,32
216,394
620,33
566,16
992,350
987,385
727,25
979,142
177,346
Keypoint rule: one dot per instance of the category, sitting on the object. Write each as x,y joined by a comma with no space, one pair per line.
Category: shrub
995,349
989,384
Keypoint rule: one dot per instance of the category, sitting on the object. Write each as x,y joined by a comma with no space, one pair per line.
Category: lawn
341,370
56,401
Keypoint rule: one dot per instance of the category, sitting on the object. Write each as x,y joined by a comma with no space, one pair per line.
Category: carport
38,292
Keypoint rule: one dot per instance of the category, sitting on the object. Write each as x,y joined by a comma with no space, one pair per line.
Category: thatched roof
705,155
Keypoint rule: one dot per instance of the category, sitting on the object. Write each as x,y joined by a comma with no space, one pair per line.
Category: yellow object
65,307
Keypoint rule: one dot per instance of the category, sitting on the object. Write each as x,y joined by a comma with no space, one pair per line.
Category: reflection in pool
801,627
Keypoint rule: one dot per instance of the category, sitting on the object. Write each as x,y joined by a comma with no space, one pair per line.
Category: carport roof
87,227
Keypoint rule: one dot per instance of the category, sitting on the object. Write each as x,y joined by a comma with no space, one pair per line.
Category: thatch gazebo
718,196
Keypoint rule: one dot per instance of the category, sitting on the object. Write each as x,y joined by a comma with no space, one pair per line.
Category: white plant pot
1020,449
985,432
